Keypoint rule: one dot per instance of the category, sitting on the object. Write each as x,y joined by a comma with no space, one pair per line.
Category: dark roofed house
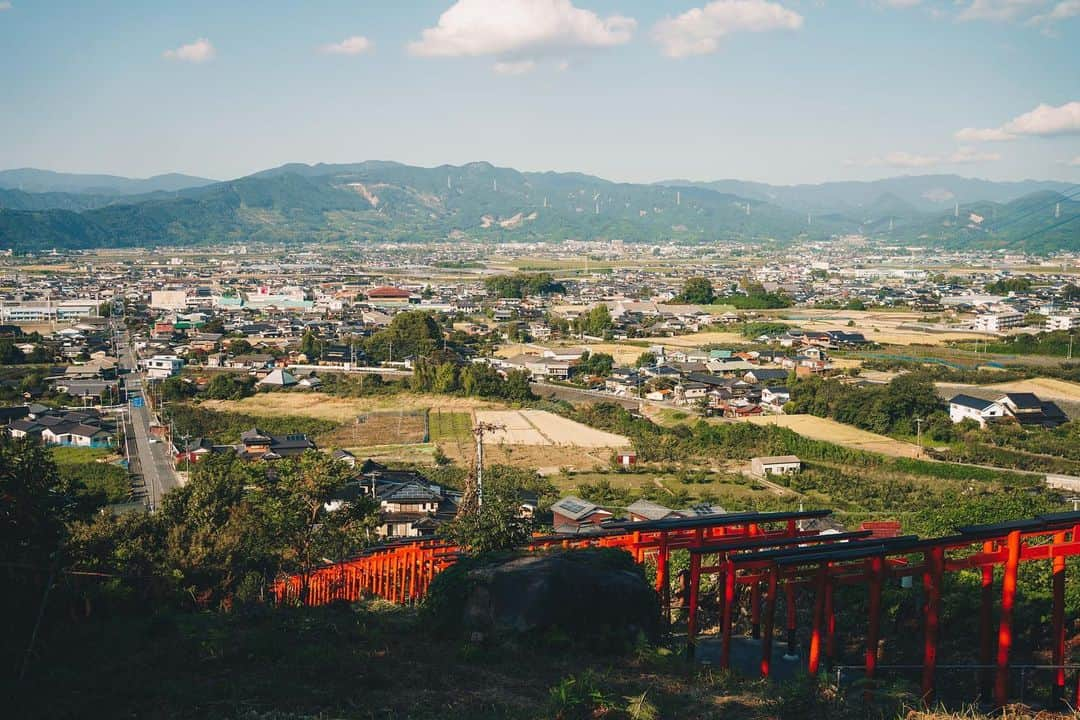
25,429
573,515
1028,409
766,375
18,412
257,445
641,510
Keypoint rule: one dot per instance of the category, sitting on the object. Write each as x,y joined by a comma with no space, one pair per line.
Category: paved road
576,395
150,460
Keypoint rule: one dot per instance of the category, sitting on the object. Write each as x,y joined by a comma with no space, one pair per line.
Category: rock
584,594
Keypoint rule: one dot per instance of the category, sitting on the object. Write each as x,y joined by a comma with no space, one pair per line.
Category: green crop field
449,426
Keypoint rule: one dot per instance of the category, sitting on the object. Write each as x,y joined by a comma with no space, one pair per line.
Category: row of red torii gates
769,553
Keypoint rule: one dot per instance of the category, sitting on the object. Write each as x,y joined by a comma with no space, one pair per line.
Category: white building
997,322
1062,322
168,299
966,407
47,311
775,465
160,367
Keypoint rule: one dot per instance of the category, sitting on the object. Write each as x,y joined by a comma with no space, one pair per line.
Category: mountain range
41,210
32,180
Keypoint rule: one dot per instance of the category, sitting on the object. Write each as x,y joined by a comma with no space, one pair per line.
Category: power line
1047,229
1068,194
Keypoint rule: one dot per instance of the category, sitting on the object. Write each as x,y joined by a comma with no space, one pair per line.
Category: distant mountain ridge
379,200
925,193
32,180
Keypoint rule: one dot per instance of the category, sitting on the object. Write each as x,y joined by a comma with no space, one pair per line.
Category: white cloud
901,3
983,135
518,30
515,68
5,5
1061,11
1045,120
900,159
967,155
197,52
355,45
999,10
903,160
700,30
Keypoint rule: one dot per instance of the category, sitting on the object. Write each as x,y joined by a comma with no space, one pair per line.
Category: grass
364,661
373,660
67,455
449,426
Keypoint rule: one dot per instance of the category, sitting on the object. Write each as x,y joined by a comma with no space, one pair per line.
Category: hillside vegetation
380,200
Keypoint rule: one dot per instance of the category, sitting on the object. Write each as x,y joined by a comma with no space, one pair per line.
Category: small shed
775,465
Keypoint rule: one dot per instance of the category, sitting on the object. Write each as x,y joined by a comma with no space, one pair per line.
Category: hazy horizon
204,176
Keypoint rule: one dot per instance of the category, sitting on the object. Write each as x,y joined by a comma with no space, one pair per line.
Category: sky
791,91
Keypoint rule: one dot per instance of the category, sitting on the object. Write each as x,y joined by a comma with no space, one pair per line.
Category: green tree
596,322
413,333
697,291
36,503
311,346
9,354
291,503
645,359
226,386
240,346
497,524
596,364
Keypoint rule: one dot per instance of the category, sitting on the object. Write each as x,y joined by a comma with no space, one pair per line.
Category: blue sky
630,90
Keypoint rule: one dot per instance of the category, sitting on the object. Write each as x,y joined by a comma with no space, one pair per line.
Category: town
540,360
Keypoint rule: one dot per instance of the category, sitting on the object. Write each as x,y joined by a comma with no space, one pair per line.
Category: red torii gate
401,571
825,560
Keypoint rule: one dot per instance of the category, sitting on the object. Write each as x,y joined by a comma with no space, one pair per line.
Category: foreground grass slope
378,661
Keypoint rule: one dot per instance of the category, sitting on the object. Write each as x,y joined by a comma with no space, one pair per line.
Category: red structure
842,558
767,553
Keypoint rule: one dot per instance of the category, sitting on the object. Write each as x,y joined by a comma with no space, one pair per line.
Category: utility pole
478,431
918,431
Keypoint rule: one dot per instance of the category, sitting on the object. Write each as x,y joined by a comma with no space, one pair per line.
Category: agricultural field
383,427
696,340
539,427
449,426
886,328
343,410
532,439
623,353
817,428
409,454
1045,388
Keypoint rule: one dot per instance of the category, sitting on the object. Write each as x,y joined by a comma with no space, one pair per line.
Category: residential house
574,515
643,510
160,367
1028,409
774,398
257,445
966,407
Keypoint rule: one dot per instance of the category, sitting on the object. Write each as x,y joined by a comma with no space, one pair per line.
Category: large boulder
593,594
